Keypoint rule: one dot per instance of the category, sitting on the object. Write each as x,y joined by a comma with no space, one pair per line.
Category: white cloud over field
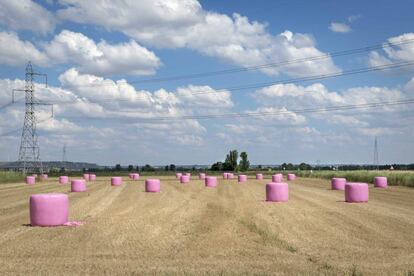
178,24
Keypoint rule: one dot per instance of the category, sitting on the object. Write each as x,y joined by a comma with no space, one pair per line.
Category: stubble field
190,229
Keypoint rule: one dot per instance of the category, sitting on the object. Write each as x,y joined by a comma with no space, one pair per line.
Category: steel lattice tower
376,160
29,153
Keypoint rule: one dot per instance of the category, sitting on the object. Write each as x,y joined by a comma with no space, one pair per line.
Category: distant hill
75,166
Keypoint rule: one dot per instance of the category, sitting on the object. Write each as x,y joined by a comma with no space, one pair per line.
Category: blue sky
78,43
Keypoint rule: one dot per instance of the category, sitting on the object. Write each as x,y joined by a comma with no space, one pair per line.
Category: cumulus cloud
16,52
397,53
173,24
77,49
338,27
296,97
26,15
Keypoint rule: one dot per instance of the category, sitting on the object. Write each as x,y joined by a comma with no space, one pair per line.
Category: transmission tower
64,154
376,160
29,153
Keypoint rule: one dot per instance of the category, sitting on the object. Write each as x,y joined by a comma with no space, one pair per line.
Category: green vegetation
395,178
10,177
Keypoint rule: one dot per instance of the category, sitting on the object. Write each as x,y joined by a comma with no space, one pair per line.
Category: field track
190,229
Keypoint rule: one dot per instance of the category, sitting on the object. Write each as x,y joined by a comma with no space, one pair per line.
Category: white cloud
172,24
26,15
16,52
101,58
77,49
339,27
397,53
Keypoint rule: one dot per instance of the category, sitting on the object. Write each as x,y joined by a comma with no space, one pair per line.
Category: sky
121,80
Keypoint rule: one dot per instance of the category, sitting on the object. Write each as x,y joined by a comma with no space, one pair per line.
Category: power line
264,113
264,66
261,85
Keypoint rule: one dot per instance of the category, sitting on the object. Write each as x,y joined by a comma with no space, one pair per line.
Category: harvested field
190,229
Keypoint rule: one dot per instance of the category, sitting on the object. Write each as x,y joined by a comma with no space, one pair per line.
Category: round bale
278,192
356,192
152,185
380,182
210,181
49,209
338,183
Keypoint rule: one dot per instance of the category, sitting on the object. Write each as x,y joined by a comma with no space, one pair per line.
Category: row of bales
52,209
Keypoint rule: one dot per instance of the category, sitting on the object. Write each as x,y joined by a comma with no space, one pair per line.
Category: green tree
218,166
231,161
172,167
167,168
130,168
118,167
244,162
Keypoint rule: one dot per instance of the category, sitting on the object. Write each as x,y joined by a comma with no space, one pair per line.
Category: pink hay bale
78,185
277,178
184,179
201,176
49,209
242,178
259,176
278,192
338,183
178,175
188,174
380,182
225,175
92,177
210,181
63,179
152,185
30,180
135,176
86,176
116,181
291,176
130,175
230,175
45,176
356,192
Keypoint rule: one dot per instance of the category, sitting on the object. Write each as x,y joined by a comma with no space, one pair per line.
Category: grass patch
395,178
10,177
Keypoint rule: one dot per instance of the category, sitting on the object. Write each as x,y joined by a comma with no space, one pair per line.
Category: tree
172,167
167,168
118,167
231,161
130,168
304,166
218,166
244,162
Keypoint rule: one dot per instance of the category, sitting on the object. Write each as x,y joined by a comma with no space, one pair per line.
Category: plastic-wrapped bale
230,175
152,185
356,192
277,178
201,176
291,176
78,185
86,176
338,183
278,192
380,182
130,175
49,209
30,180
135,176
63,179
225,175
184,179
259,176
45,176
242,178
92,177
116,181
210,181
178,175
